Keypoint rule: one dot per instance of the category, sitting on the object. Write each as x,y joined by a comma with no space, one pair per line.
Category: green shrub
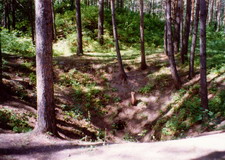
15,43
18,123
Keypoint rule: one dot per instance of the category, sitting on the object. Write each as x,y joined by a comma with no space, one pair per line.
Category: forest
112,71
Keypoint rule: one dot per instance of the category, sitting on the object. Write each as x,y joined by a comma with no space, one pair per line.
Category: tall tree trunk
1,69
224,18
6,15
184,49
192,14
122,73
107,4
211,11
121,3
165,40
219,15
194,38
181,21
172,62
13,14
53,26
203,74
32,21
79,29
142,39
101,22
165,32
177,26
72,4
117,3
45,93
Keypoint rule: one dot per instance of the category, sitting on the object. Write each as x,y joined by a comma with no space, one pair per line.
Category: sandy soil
29,147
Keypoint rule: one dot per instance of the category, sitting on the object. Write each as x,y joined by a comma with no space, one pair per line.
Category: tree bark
6,15
211,11
165,40
53,26
121,3
177,26
79,29
45,99
192,14
13,14
142,39
184,49
203,74
32,21
72,4
101,22
1,69
219,15
194,38
122,73
173,68
181,22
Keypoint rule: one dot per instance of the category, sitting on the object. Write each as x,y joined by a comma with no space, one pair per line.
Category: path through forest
27,146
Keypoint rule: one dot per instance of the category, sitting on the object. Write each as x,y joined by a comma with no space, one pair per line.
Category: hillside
92,103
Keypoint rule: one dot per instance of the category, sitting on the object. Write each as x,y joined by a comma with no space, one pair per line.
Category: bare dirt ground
43,147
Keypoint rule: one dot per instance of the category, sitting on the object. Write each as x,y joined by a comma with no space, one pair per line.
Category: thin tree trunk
192,14
165,32
72,4
173,68
79,29
219,15
45,93
203,74
32,21
177,26
13,14
211,11
117,3
121,3
165,40
181,22
6,15
184,49
224,18
107,3
143,60
101,22
1,69
194,38
123,75
153,7
53,26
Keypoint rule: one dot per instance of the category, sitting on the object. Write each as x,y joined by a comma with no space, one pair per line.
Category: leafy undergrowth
16,122
93,105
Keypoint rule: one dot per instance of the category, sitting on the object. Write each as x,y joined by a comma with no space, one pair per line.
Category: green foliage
32,77
65,23
217,104
18,123
15,42
72,111
215,50
146,89
127,24
130,138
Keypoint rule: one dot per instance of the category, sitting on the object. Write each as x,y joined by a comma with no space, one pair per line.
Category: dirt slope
30,147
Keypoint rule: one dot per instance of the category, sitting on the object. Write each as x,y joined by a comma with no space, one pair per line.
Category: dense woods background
112,70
